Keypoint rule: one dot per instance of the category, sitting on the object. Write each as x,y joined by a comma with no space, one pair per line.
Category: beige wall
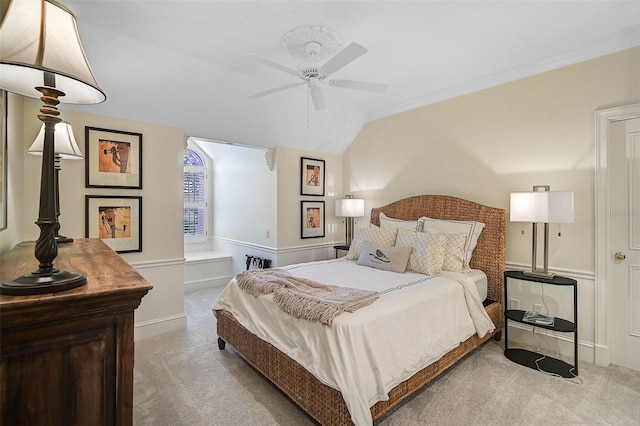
482,146
243,199
289,198
162,257
162,149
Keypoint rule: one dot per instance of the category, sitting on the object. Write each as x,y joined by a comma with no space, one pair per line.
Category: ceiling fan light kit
313,45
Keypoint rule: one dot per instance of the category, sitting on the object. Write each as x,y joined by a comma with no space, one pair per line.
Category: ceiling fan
313,45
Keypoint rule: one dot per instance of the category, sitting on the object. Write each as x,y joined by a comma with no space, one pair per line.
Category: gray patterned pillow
378,236
386,258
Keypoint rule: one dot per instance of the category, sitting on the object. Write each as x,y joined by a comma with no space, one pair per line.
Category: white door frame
603,119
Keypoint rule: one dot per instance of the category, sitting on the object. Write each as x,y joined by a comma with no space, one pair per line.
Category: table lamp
41,57
541,206
349,208
65,148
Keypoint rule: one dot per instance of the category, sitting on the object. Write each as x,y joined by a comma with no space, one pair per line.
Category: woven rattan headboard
490,253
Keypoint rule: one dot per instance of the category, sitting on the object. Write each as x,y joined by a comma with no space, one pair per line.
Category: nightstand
533,359
340,248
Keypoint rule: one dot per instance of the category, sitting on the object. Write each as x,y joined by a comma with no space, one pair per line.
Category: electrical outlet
537,308
514,304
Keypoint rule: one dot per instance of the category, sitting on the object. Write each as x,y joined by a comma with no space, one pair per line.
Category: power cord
543,301
575,379
572,370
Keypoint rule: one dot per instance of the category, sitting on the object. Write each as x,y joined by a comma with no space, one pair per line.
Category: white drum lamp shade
541,207
349,208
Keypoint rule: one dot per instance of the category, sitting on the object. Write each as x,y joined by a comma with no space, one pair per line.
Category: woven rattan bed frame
325,404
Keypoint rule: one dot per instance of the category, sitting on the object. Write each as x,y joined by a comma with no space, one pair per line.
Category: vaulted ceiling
183,63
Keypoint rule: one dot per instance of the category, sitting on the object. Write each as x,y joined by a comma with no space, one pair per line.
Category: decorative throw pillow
454,245
378,236
389,222
470,228
427,255
386,258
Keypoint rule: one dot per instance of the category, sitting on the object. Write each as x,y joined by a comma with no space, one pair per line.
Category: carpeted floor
181,378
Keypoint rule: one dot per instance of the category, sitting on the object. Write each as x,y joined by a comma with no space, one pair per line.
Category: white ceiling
181,63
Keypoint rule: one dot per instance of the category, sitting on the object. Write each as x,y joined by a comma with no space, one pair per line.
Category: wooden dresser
67,358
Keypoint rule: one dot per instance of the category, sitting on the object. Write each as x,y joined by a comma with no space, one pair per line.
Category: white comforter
367,353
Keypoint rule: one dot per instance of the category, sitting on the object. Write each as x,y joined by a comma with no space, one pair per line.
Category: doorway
617,338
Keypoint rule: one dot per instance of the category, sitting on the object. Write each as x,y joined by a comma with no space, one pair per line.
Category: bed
325,403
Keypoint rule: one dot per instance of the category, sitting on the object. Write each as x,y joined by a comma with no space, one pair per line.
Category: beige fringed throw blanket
303,298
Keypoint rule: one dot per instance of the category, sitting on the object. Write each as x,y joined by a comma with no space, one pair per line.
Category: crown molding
630,39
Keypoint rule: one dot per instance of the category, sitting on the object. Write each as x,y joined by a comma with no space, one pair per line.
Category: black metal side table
532,359
341,247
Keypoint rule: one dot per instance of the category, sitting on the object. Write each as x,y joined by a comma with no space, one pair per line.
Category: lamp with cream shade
541,206
41,56
66,148
349,208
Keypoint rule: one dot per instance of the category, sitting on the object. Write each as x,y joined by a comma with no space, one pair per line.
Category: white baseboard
206,283
603,355
155,327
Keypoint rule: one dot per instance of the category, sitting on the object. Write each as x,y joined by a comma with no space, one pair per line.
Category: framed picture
312,176
312,219
3,160
113,158
115,220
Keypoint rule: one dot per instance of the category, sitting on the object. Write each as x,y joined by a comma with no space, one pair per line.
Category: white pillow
389,222
378,236
386,258
470,228
427,255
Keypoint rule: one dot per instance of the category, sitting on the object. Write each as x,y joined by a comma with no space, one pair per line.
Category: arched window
195,197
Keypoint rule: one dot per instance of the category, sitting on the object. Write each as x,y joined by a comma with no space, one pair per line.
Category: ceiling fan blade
359,85
343,58
317,97
272,64
276,89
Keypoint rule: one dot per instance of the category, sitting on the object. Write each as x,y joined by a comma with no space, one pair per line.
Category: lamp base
62,239
540,273
35,283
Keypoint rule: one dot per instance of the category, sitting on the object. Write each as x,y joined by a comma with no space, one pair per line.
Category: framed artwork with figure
113,158
116,220
312,219
312,176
